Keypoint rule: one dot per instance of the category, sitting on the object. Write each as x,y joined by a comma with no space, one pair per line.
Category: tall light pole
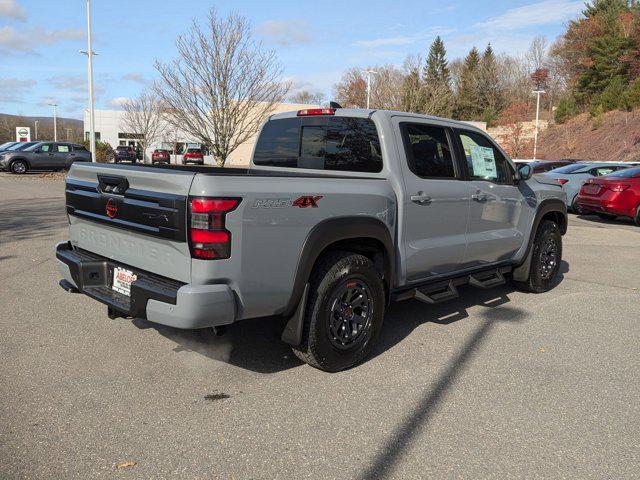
369,73
55,122
36,124
535,134
90,53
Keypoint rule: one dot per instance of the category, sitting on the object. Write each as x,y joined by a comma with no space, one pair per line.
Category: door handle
421,199
479,197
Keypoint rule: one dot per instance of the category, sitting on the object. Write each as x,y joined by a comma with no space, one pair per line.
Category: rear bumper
605,206
155,298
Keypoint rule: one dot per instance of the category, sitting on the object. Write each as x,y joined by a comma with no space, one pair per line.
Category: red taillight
618,188
316,111
562,181
207,234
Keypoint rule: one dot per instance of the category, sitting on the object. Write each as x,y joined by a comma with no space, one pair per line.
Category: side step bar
442,291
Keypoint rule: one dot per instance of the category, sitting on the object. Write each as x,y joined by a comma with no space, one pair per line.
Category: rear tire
19,167
606,216
636,219
545,259
577,209
344,312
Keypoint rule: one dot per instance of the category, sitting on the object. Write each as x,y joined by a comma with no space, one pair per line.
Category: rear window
320,143
122,148
569,168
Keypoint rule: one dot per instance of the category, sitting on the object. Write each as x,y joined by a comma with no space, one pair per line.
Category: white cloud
404,39
285,32
17,42
13,89
76,83
117,102
135,77
534,14
11,9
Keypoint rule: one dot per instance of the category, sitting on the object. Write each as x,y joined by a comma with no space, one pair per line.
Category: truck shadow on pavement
32,218
255,344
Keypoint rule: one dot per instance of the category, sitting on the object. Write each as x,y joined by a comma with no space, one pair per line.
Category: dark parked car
193,155
124,153
541,166
160,155
44,156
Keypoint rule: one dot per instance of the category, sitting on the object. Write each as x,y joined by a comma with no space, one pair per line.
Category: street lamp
90,53
369,73
535,134
55,122
36,124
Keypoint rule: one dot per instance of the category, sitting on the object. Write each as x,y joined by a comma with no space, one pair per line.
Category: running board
437,293
495,279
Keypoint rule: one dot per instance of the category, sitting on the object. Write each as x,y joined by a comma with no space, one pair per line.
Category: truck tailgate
133,215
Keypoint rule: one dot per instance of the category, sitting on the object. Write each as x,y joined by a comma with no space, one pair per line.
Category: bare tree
537,54
305,96
143,118
351,90
222,85
386,88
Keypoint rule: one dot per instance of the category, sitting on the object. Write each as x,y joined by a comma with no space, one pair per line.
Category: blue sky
315,41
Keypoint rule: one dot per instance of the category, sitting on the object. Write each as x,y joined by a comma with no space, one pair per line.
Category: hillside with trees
68,128
591,69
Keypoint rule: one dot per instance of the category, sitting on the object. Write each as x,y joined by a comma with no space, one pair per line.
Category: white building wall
108,126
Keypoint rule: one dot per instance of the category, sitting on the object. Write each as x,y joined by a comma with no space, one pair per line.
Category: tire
577,209
636,218
606,216
19,167
543,270
330,313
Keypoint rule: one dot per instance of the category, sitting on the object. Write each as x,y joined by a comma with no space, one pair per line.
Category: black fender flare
319,238
521,271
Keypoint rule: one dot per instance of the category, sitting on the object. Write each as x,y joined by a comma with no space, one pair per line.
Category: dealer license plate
122,279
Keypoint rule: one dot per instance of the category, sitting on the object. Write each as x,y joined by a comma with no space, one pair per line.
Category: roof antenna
334,105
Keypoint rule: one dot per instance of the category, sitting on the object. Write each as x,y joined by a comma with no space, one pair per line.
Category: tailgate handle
112,184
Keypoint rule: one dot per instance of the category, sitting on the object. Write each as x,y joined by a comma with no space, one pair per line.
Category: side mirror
525,172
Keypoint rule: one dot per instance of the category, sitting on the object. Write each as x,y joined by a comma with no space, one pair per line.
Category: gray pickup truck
340,213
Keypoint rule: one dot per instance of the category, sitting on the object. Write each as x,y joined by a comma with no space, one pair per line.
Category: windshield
625,173
6,145
569,168
19,147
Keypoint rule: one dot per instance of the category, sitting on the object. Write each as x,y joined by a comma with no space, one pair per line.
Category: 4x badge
302,202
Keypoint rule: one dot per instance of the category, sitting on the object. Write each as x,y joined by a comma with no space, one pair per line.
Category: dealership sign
23,134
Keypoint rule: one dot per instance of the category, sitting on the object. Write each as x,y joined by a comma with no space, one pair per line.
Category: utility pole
36,124
535,134
90,53
369,73
55,122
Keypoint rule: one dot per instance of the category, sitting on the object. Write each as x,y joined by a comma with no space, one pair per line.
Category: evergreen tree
468,105
437,94
490,90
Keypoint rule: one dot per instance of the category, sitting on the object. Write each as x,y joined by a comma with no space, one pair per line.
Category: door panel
497,213
435,202
44,157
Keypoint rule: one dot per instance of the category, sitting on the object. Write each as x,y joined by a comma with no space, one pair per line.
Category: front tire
19,167
636,219
344,312
545,259
577,209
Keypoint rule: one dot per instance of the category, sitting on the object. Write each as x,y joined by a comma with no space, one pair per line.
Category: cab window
428,150
484,160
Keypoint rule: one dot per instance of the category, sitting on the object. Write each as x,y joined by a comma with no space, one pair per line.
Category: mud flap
292,333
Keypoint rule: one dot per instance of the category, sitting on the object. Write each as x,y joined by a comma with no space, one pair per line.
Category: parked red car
613,195
160,155
193,155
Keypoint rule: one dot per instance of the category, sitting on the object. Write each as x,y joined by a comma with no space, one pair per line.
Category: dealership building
109,128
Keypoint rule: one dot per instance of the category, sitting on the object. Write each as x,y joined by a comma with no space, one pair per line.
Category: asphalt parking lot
496,384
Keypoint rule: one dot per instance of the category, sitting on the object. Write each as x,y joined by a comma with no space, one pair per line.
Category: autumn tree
351,90
516,142
222,85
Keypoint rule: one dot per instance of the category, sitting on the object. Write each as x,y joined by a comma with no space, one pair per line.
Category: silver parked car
571,177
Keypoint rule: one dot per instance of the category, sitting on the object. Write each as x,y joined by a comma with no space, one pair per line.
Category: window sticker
484,162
